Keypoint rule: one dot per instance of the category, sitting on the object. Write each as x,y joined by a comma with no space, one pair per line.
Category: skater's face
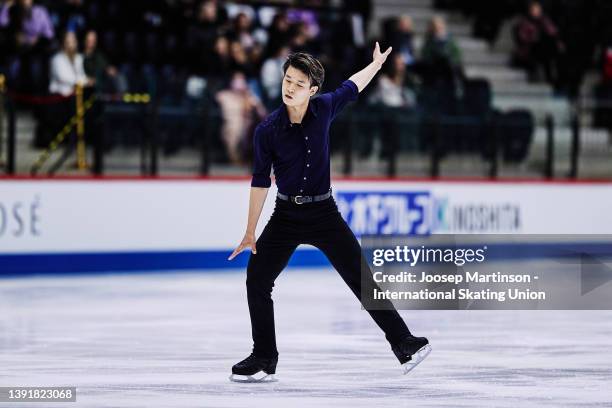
296,87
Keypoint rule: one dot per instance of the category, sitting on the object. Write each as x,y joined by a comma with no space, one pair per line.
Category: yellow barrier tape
136,98
77,120
80,125
59,138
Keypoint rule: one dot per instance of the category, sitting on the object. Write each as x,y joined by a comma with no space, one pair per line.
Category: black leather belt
301,199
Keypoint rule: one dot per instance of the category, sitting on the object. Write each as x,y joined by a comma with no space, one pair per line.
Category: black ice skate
254,369
411,351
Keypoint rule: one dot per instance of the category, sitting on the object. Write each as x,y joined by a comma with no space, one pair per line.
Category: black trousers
319,224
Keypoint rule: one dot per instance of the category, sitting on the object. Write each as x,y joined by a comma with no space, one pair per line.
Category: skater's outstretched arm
363,77
256,202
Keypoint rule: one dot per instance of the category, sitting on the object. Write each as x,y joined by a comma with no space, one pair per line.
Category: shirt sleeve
262,159
345,93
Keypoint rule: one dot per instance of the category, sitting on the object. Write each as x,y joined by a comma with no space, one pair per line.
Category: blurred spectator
279,34
101,74
440,56
242,32
241,61
30,23
219,65
392,88
306,17
235,8
606,72
537,44
240,110
71,15
400,35
66,72
67,67
361,11
272,76
202,37
301,38
394,93
30,32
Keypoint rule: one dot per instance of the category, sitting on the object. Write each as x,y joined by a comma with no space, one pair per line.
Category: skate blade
416,358
259,377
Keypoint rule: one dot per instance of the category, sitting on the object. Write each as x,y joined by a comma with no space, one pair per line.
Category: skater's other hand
247,242
379,57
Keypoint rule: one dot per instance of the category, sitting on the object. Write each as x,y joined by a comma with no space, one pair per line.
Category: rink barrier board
160,223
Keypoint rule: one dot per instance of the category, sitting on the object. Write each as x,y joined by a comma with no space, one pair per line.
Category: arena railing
436,135
495,138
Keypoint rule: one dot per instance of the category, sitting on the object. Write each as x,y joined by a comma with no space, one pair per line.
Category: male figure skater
295,140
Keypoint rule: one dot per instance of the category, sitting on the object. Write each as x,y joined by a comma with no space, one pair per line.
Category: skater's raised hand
247,242
363,77
379,57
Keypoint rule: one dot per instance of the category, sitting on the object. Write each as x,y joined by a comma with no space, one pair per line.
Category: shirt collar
284,115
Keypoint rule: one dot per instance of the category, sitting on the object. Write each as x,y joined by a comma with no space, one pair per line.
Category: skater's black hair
309,65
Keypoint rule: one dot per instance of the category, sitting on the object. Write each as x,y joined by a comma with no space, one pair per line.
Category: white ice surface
169,340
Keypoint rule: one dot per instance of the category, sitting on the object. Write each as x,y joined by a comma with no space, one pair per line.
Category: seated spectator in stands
440,55
67,67
201,38
5,47
301,38
393,92
209,20
306,17
241,60
103,76
30,33
401,39
606,72
70,15
214,9
66,72
241,111
242,32
219,65
272,76
31,22
393,88
278,34
537,44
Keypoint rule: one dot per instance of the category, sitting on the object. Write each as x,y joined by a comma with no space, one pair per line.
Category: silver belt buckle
295,199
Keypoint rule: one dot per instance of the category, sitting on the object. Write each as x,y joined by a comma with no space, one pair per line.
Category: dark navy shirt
299,153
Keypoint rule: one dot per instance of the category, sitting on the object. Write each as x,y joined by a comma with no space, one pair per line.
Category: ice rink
170,339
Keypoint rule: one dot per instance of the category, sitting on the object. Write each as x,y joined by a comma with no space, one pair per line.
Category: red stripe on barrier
39,99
